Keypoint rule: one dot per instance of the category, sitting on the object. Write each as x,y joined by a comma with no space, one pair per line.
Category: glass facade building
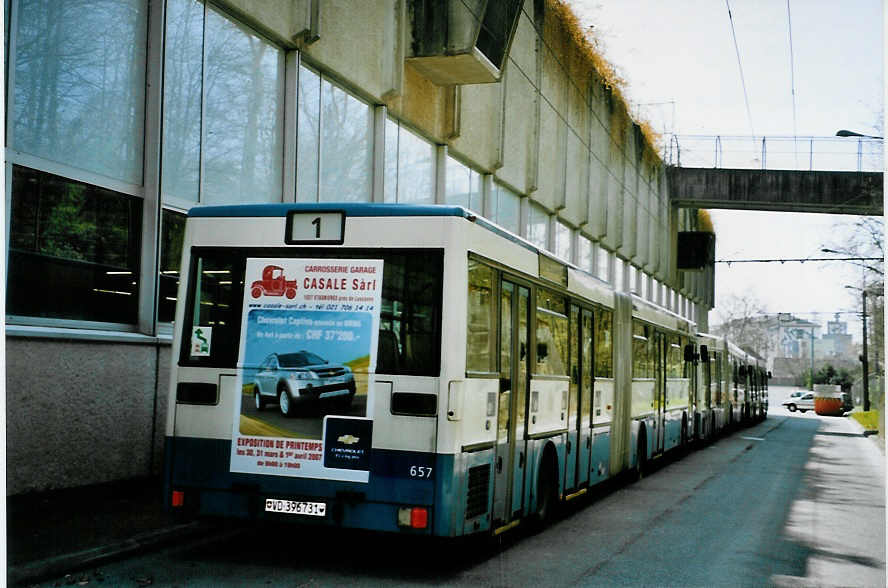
123,114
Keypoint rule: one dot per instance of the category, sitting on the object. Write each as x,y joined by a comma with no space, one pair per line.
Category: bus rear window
410,320
212,317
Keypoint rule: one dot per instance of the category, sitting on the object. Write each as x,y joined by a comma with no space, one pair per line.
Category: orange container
828,406
828,400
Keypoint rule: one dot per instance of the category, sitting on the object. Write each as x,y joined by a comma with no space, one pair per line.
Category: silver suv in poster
303,380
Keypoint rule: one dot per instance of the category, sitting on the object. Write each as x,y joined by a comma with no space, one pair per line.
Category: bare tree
862,238
865,238
744,320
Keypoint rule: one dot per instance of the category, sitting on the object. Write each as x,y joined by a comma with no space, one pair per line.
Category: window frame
323,76
393,194
149,192
137,254
141,191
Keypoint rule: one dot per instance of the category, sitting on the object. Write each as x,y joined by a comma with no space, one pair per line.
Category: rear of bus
284,311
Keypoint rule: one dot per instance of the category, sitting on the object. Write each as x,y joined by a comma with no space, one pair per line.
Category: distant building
795,336
786,341
836,343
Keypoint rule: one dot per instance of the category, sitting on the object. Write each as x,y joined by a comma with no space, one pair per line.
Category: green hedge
869,419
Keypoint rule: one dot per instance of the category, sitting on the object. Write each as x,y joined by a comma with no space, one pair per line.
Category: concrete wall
82,412
550,128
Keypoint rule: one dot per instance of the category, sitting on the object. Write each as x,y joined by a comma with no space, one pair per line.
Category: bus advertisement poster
307,356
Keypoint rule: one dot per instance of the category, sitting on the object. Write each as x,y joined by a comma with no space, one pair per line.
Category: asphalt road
797,500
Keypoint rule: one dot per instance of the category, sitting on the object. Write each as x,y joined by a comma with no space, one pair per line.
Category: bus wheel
547,491
683,443
641,455
284,402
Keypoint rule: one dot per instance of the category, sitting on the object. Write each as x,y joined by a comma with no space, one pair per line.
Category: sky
680,65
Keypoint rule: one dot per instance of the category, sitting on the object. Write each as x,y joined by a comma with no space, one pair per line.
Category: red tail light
413,517
419,518
178,498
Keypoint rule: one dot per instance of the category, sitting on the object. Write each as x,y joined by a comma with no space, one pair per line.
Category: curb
56,566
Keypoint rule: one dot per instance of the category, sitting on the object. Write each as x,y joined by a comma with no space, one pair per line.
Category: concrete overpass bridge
835,175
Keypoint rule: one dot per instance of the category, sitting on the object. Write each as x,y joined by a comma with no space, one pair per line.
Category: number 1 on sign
315,227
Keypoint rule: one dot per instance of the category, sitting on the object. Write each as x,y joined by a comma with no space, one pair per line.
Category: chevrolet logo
348,439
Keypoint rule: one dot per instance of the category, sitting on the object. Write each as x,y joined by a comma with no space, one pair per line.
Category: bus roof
368,209
356,209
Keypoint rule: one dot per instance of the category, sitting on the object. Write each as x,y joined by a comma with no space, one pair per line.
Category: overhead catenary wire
792,81
798,259
740,67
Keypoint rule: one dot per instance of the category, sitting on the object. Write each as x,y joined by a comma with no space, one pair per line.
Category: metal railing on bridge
776,153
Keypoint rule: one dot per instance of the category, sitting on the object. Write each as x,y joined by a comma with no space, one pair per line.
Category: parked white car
803,402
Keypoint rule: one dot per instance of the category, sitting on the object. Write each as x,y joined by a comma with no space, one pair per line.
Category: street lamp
812,359
847,133
864,359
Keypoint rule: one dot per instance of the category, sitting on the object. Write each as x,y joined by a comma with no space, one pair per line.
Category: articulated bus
418,369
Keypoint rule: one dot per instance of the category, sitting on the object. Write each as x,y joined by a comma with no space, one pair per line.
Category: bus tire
641,454
683,442
547,489
285,402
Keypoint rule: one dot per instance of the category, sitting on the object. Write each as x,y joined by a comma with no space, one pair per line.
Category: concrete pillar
488,205
441,174
380,115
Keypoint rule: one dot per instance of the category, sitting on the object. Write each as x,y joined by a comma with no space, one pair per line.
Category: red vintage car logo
274,283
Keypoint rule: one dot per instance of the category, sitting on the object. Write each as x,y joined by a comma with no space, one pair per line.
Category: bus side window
481,326
604,360
215,288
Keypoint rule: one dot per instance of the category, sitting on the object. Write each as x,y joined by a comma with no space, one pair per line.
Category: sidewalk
837,519
53,533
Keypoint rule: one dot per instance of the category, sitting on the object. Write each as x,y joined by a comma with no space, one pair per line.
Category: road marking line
753,438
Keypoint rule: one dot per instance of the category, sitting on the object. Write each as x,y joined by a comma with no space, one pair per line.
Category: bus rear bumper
344,512
198,482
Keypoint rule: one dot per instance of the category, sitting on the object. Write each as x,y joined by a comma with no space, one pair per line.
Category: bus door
660,342
579,424
707,380
586,358
511,451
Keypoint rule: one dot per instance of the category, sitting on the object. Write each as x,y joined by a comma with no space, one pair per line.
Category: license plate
311,509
